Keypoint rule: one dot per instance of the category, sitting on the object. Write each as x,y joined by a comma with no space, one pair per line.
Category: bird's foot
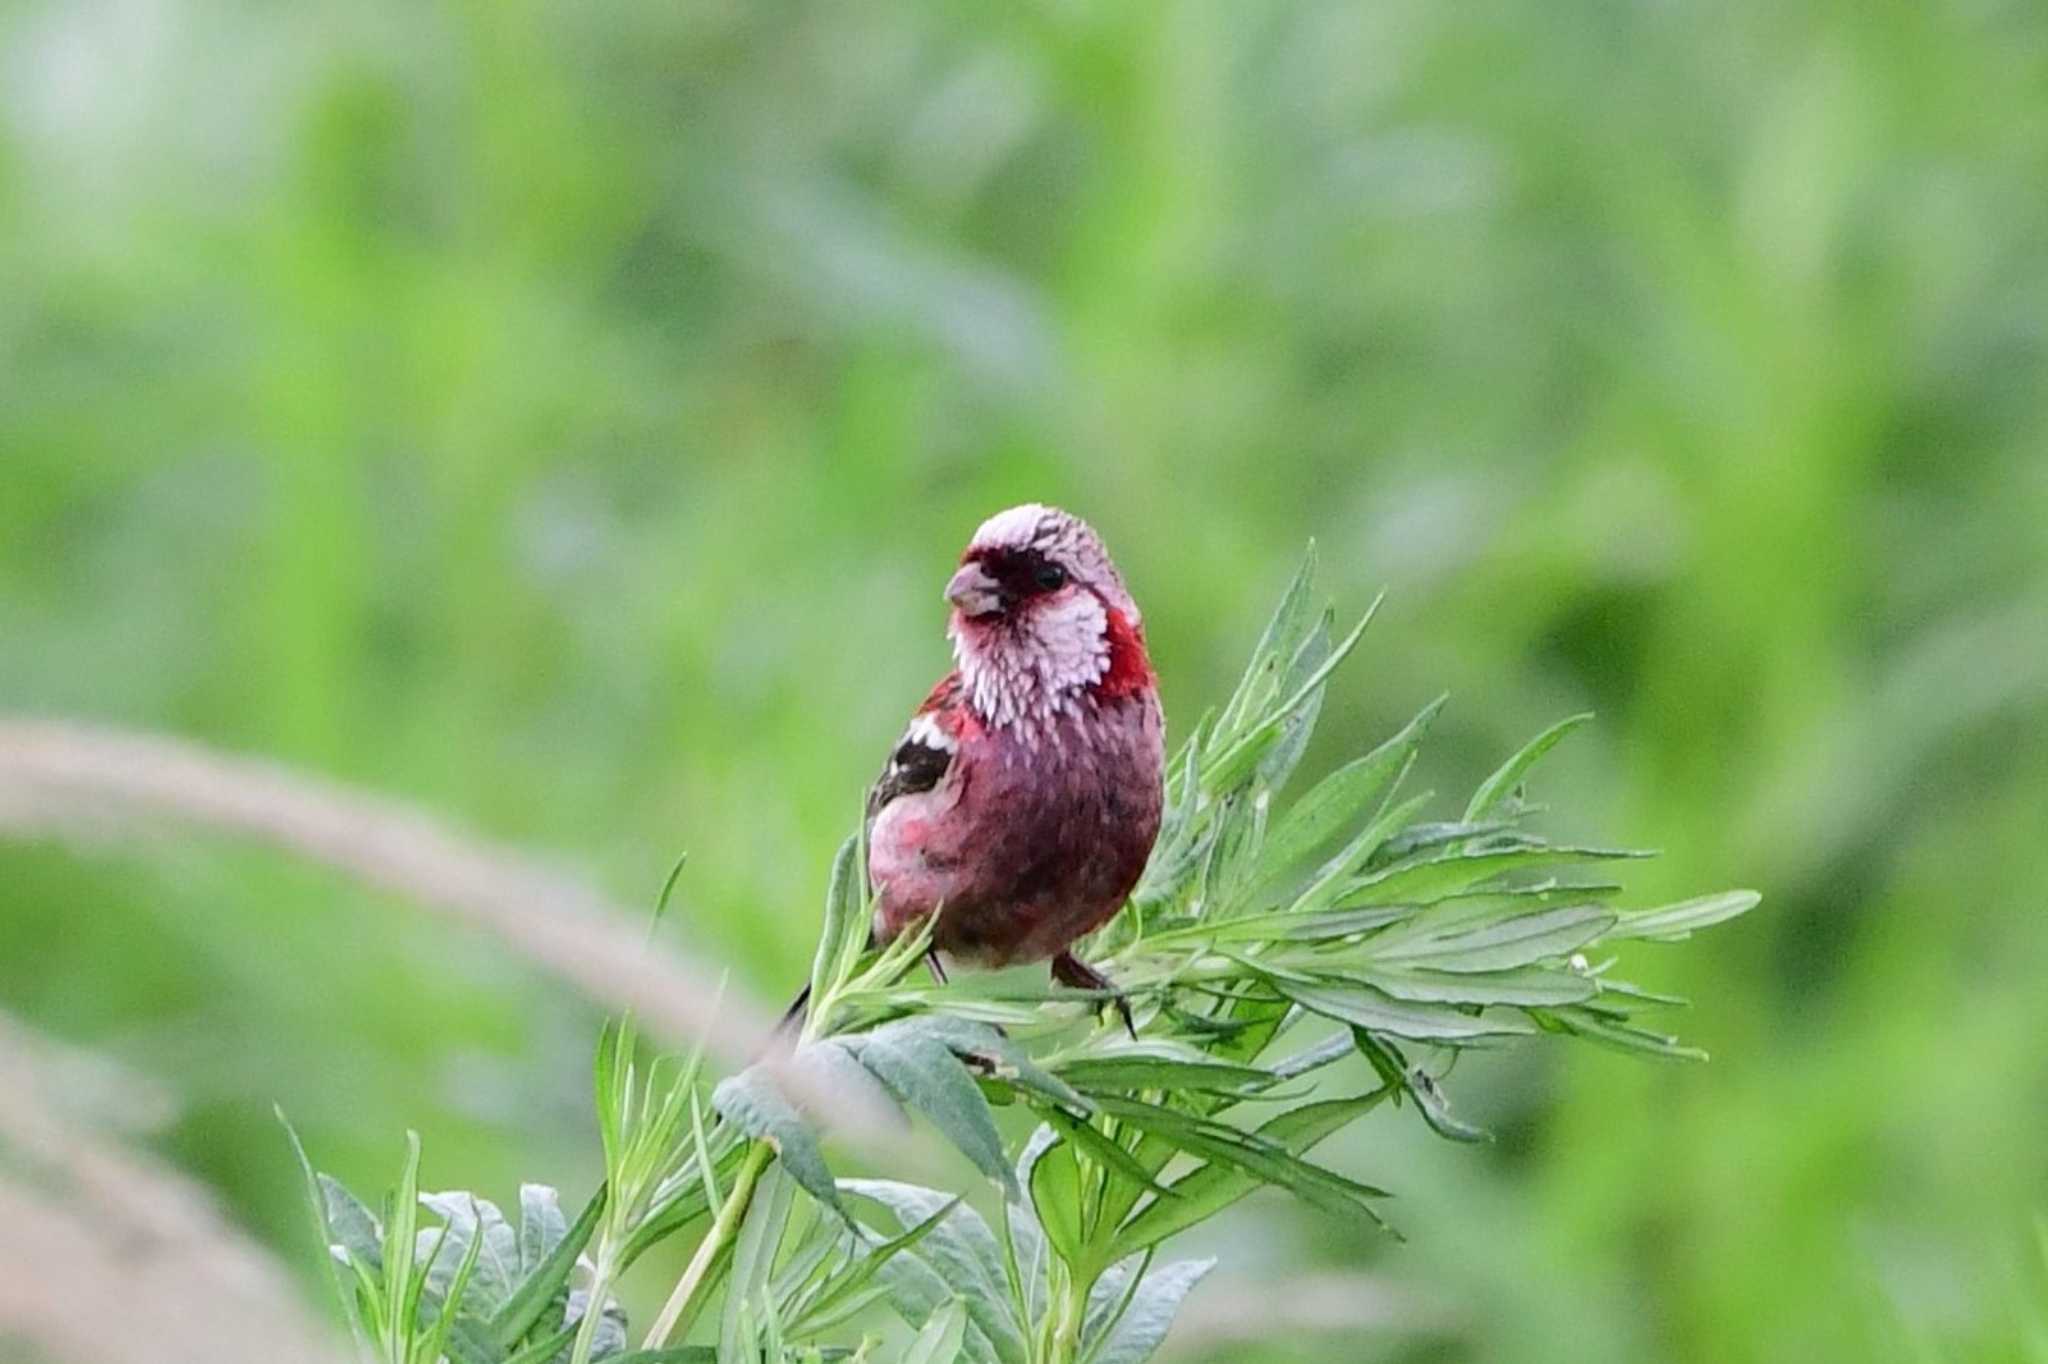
1069,969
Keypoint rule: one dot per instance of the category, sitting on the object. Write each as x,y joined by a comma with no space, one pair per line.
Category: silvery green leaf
1438,878
996,1054
941,1339
923,1073
1418,1084
545,1287
1495,793
751,1101
1336,801
961,1248
1137,1335
1498,944
1365,1007
610,1336
831,1067
753,1259
351,1226
1585,1023
542,1226
1672,923
1202,1193
1288,626
843,902
497,1266
916,1290
1525,985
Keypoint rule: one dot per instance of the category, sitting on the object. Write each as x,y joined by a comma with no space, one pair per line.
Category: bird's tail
793,1016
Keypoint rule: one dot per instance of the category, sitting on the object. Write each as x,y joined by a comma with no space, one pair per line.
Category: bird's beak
973,592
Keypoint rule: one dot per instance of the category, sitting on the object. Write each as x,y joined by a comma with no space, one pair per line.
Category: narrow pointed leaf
549,1279
1672,923
1138,1334
1498,944
1202,1193
1496,790
1336,801
1439,877
940,1340
1430,1100
1365,1007
960,1247
1527,985
752,1103
923,1073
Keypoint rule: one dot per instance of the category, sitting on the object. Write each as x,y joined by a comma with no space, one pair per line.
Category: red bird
1025,796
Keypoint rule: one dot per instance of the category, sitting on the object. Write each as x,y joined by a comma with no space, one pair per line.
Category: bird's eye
1050,577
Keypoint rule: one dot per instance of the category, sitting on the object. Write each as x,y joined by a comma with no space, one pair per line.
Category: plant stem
1066,1340
722,1231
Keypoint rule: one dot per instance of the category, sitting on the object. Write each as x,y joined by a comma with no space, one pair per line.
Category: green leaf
1055,1182
549,1279
1674,923
1494,793
1136,1070
1237,762
1107,1153
317,1204
1438,878
916,1290
843,903
751,1102
1495,945
940,1340
753,1255
402,1287
1365,1007
1287,925
1338,799
923,1073
998,1056
468,1218
544,1350
1137,1334
1202,1193
833,1304
349,1224
1526,985
457,1289
1335,879
542,1226
1418,1084
1286,752
1288,626
1582,1022
1251,1153
961,1248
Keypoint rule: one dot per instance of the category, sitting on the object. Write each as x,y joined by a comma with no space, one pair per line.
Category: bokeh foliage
561,414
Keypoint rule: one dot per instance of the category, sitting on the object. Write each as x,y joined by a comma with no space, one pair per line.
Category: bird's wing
923,755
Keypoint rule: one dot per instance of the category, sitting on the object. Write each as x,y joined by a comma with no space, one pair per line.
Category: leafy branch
1258,952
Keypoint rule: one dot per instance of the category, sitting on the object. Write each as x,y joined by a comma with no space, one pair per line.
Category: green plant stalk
1073,1313
730,1215
593,1309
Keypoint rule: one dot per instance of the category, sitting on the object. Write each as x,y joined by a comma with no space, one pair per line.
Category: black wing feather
915,766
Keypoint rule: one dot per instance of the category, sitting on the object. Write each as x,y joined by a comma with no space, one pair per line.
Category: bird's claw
1069,969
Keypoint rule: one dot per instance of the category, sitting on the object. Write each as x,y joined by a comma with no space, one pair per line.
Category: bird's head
1041,616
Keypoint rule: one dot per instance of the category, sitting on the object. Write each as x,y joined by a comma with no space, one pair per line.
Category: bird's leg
1069,969
938,968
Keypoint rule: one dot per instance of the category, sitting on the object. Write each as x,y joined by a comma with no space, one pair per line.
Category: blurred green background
563,415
